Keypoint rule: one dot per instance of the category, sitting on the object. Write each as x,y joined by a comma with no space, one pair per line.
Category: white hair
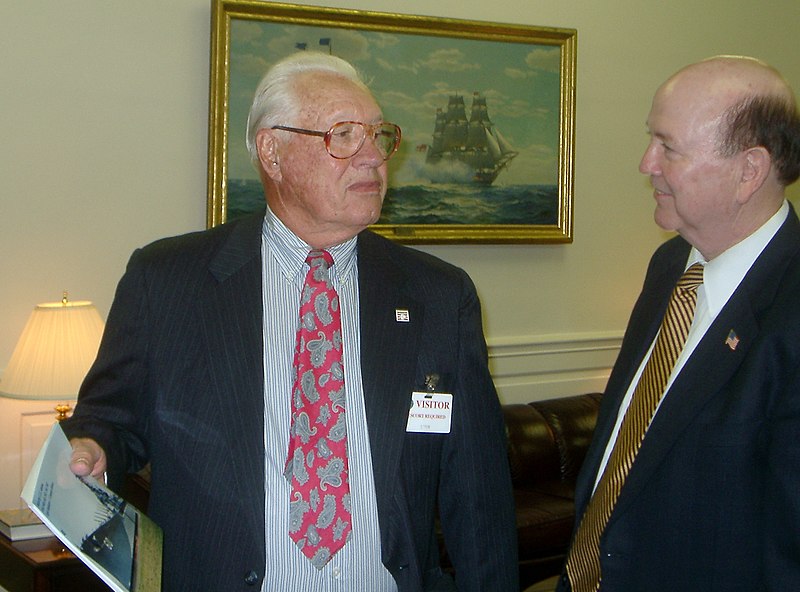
276,101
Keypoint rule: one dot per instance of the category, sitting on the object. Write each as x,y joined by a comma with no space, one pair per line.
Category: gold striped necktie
583,562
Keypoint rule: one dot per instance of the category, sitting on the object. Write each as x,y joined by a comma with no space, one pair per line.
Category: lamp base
62,411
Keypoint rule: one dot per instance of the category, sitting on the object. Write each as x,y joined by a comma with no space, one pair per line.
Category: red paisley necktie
316,466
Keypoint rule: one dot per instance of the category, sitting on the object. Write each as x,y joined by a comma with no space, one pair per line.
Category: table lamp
53,354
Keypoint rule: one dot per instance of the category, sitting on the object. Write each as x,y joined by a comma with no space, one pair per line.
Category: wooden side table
44,565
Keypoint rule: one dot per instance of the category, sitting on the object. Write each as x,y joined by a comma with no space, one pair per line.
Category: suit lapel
232,330
386,367
713,362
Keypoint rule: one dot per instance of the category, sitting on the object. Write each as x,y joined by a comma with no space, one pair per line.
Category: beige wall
104,120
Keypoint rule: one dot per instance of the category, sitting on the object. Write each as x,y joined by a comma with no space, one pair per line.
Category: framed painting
487,112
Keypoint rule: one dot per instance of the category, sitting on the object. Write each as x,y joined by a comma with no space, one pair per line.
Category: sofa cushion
532,454
572,421
547,443
544,523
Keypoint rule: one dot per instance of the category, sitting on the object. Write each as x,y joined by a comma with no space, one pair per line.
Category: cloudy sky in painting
411,76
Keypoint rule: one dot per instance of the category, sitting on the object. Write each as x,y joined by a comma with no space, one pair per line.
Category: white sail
492,145
504,145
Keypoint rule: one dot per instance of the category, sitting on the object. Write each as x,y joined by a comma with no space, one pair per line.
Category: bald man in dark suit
709,501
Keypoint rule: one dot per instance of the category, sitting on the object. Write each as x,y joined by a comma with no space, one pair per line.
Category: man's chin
665,220
371,205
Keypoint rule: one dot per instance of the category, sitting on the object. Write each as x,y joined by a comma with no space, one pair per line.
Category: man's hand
88,458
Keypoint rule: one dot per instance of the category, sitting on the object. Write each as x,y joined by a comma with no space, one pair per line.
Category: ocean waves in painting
437,203
467,204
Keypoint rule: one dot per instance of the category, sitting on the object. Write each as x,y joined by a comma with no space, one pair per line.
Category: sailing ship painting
466,150
487,142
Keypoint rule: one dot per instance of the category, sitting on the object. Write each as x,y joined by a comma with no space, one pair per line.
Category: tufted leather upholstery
547,442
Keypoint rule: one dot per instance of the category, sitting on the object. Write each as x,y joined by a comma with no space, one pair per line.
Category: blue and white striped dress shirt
357,566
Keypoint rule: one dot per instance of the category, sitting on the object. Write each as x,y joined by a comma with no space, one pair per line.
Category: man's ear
267,148
757,165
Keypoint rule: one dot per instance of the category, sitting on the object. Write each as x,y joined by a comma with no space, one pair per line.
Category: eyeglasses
346,138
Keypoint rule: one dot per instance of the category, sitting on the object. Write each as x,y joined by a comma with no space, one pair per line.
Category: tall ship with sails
467,150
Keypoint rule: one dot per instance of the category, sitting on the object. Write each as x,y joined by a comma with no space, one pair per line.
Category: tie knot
692,278
319,259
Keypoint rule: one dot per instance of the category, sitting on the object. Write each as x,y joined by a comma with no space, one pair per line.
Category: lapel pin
732,341
431,380
401,315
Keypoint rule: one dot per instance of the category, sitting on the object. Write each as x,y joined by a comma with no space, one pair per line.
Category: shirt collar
723,274
290,251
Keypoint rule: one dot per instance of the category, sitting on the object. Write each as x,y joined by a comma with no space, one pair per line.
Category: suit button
251,578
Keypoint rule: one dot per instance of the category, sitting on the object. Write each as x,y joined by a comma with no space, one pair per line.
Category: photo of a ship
119,543
111,543
466,150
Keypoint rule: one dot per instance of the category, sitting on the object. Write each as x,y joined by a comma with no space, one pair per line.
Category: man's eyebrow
659,135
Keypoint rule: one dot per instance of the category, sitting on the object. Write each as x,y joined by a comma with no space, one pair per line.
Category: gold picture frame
509,186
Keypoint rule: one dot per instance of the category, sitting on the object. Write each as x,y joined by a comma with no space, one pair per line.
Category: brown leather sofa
547,442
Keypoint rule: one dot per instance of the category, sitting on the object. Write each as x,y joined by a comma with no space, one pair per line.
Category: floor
544,586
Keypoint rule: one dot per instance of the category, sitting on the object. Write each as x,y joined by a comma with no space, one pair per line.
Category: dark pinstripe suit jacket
712,501
179,382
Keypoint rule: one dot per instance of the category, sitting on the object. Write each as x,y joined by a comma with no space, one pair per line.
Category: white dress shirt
357,566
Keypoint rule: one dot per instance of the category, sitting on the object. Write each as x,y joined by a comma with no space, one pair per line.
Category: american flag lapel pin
732,341
401,315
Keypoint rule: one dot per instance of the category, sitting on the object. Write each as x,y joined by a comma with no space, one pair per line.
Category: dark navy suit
712,501
179,382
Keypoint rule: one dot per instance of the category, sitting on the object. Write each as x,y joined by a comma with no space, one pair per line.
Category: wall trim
536,367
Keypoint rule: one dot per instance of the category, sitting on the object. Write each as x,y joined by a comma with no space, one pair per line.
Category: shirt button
336,573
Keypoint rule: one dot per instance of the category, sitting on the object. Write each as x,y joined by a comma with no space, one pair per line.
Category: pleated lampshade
54,352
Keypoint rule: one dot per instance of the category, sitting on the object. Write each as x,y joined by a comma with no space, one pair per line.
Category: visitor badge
430,413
